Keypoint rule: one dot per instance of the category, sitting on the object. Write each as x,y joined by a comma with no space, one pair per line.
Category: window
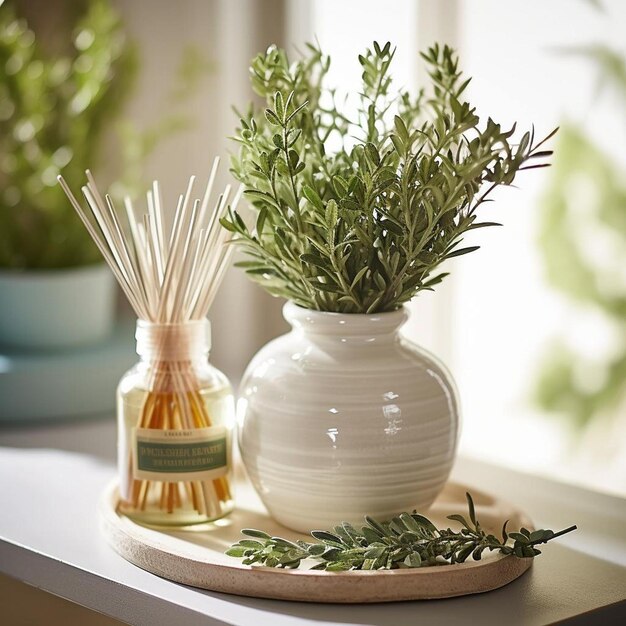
496,320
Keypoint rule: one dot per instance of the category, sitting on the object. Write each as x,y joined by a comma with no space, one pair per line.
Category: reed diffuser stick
170,278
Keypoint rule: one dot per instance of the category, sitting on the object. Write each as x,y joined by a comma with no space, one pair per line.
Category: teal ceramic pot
56,309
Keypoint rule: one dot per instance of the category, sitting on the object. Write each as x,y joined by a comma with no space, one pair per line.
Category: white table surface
51,477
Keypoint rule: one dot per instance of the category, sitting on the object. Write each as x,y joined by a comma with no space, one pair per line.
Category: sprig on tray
407,541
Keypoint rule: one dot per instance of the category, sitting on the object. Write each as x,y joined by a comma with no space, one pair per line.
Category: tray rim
122,534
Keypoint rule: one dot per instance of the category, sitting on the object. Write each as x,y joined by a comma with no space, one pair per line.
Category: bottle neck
173,343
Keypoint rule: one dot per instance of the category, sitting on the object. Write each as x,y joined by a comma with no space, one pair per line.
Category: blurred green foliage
56,111
53,112
586,203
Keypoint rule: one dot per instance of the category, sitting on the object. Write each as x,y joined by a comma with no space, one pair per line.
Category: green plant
53,110
407,541
56,109
586,195
362,229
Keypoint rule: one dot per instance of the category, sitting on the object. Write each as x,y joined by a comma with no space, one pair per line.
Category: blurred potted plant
54,111
583,382
354,215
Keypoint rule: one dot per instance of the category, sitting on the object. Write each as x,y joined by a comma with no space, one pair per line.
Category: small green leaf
296,111
331,214
327,287
413,560
337,567
255,195
505,537
374,553
435,280
425,522
460,519
252,532
260,221
359,275
322,535
249,543
316,549
462,251
318,261
370,535
293,158
397,144
272,118
228,225
470,507
401,129
312,196
279,106
372,153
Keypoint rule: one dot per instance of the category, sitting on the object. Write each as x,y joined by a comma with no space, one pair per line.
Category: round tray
196,556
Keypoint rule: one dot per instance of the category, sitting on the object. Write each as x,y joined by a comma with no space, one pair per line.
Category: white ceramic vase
343,417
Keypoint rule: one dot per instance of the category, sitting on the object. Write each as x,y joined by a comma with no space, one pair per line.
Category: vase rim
332,322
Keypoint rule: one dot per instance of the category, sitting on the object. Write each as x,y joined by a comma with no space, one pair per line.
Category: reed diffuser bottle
175,418
175,410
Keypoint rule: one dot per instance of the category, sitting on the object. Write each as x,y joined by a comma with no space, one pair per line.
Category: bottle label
175,455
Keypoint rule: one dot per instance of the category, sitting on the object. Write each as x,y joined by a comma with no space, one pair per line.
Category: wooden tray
196,556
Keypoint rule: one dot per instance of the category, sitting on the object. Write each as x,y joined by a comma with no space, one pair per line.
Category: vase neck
344,326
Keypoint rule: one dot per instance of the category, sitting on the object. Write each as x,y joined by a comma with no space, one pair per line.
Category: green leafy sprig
407,541
362,227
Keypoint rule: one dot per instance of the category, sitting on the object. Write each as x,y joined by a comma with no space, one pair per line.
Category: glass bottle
175,422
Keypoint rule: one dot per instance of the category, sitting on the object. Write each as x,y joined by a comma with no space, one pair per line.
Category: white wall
228,33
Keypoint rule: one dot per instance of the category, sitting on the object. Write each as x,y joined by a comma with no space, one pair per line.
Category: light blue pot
56,309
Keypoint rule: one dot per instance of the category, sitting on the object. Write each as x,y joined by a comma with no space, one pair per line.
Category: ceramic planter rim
332,322
9,273
56,309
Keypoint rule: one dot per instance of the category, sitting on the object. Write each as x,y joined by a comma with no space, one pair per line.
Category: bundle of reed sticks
170,276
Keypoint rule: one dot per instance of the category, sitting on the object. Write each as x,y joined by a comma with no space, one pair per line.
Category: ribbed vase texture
343,417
